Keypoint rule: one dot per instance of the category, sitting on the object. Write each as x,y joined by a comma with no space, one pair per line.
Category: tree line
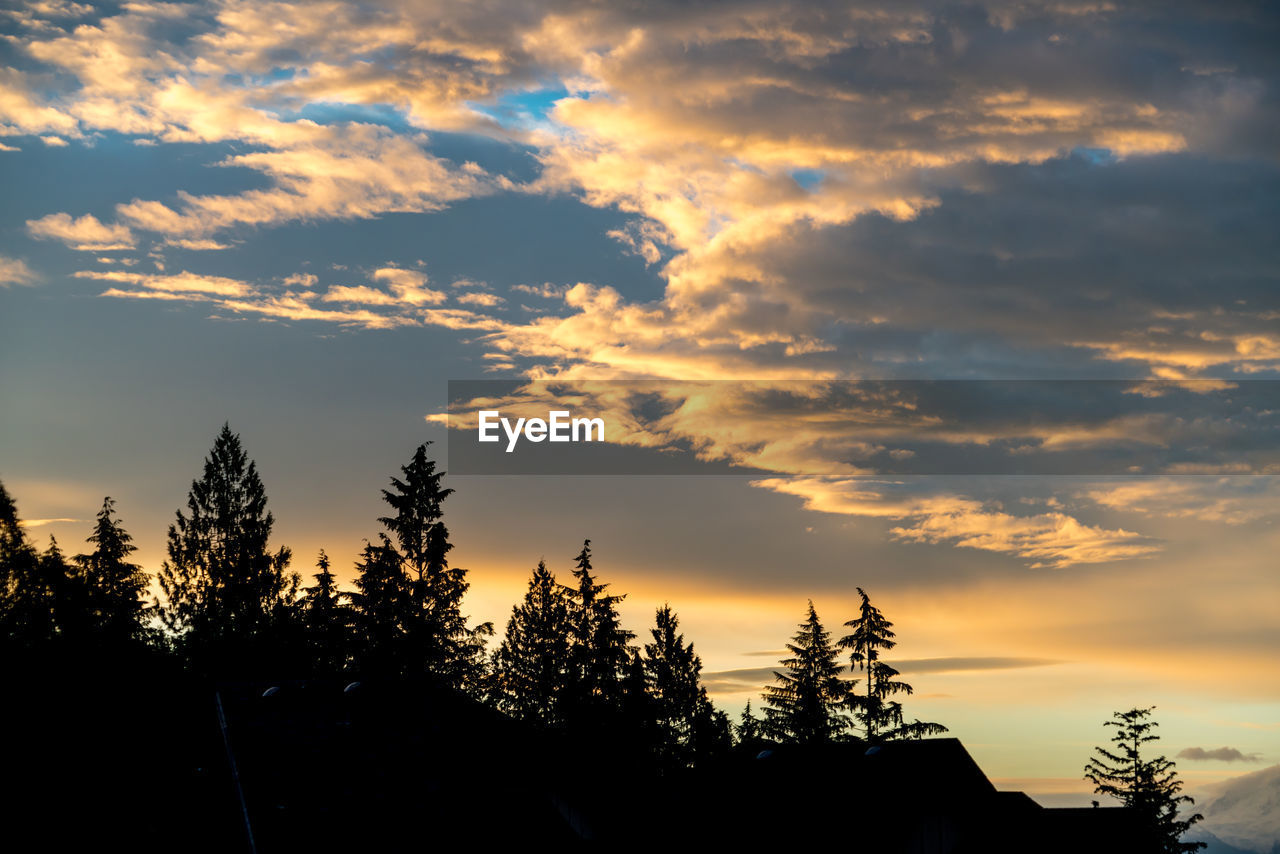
229,606
232,609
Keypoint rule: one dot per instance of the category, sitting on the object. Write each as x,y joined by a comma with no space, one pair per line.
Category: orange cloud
14,271
86,233
1053,540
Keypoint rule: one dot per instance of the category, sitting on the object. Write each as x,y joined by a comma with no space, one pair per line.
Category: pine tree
381,604
530,668
673,669
413,598
879,716
599,645
804,706
26,615
712,732
638,717
40,599
116,588
225,590
326,618
1149,786
66,594
750,729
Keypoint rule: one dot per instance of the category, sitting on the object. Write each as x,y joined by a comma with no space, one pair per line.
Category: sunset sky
306,218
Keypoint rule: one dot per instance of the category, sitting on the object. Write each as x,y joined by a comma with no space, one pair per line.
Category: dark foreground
97,759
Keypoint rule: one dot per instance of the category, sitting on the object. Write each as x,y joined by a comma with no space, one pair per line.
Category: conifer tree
879,716
1149,786
712,732
530,668
413,598
25,605
804,706
225,590
638,717
33,586
750,728
689,727
326,618
65,592
599,645
673,668
381,605
115,587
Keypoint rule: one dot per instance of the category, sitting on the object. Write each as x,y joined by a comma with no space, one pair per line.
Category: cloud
1050,540
406,290
1227,500
202,245
135,78
1053,540
369,308
180,283
409,286
874,450
854,192
1217,754
1241,810
481,299
1026,189
753,678
362,294
962,665
86,233
738,681
292,307
1020,270
14,271
37,523
357,172
545,290
23,110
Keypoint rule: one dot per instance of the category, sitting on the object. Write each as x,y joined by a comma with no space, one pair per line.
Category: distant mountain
1243,812
1216,845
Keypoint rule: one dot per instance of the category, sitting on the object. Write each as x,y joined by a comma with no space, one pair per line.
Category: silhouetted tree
879,716
712,731
419,610
380,602
225,590
638,718
672,669
116,588
750,728
1149,786
326,620
26,596
530,668
599,646
65,589
804,706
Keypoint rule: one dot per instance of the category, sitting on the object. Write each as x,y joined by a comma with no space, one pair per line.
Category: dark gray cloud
1218,754
1047,427
955,665
1069,268
752,678
746,679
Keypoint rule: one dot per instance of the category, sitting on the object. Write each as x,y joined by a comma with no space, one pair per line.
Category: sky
305,219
